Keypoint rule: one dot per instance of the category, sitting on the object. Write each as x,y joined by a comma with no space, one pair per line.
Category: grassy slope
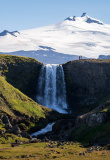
12,99
18,75
39,152
98,134
21,72
18,71
92,135
15,59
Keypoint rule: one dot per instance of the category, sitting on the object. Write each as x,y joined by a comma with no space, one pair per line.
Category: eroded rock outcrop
93,119
12,126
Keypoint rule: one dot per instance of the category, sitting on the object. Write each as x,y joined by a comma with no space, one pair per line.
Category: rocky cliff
21,72
87,82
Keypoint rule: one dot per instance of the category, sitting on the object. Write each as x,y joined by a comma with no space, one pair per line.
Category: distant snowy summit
61,42
5,32
85,18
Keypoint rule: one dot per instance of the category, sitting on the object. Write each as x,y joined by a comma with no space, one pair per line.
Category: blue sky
27,14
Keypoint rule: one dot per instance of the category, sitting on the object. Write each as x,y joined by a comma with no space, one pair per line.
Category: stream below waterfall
44,130
51,91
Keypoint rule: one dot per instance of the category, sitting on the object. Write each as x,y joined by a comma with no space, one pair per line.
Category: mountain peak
84,18
5,32
84,14
71,18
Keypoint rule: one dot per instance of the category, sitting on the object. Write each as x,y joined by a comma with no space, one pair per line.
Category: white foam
44,130
51,91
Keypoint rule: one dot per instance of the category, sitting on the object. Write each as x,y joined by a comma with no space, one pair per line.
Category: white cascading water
51,91
48,128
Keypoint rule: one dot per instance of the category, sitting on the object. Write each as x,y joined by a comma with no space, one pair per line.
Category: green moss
16,100
106,109
21,72
2,127
23,127
96,134
15,59
11,138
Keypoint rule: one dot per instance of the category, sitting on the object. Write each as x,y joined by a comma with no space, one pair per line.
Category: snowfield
60,42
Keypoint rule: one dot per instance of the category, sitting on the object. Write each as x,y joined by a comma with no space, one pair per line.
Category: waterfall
51,91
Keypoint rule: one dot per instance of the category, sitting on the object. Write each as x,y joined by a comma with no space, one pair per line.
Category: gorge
87,84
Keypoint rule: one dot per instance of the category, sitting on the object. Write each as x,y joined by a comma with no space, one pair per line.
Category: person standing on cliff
79,57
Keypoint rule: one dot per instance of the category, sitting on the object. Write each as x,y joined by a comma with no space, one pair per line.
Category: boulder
5,119
16,130
26,135
92,119
96,119
19,135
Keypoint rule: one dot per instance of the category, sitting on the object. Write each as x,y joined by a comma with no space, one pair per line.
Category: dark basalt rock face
87,82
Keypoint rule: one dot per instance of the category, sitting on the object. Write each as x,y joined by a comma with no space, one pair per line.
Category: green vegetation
18,79
92,135
21,72
107,109
41,152
15,59
11,138
2,127
17,101
98,134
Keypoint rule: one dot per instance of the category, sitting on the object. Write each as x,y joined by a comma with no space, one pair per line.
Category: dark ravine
87,82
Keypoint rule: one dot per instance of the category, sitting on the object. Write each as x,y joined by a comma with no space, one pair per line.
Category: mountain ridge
5,32
84,17
61,42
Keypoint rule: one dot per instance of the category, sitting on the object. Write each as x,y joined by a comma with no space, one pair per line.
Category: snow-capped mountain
60,42
5,32
84,18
